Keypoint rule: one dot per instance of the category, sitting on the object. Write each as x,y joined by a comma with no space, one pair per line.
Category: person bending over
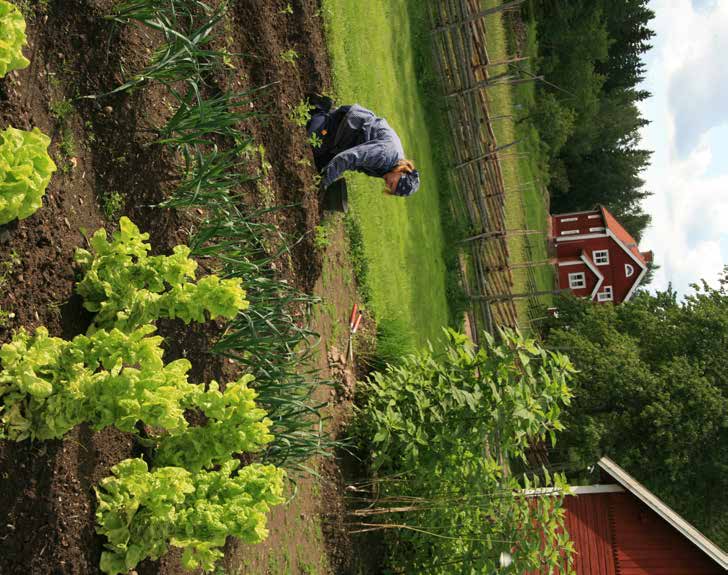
354,138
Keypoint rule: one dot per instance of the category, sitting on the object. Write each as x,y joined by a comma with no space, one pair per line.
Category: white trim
575,490
599,229
628,270
569,220
595,489
595,255
636,283
582,237
664,511
600,277
610,233
577,278
571,263
570,232
594,216
597,212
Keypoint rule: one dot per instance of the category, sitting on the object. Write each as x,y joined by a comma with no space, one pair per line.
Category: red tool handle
358,321
352,318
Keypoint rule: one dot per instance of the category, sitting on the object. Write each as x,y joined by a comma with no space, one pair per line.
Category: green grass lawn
378,50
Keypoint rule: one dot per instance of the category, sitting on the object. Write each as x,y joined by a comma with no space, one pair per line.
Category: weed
90,134
68,144
112,204
321,239
301,113
5,317
287,10
290,56
61,110
315,140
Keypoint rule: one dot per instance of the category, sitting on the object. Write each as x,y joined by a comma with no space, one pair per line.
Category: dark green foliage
440,427
591,54
652,393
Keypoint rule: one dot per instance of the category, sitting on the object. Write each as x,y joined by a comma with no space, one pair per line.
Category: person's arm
366,155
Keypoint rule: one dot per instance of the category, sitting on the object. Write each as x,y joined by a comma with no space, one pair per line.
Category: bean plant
442,429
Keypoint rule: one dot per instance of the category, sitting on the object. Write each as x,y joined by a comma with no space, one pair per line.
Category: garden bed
107,168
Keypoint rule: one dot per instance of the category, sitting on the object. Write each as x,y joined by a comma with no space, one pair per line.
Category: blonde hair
403,166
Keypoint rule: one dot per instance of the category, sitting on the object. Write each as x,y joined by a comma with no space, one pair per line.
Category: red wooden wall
617,534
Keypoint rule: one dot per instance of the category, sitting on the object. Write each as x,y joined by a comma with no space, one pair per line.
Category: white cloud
686,75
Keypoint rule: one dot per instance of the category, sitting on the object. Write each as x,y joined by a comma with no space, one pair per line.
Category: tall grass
270,339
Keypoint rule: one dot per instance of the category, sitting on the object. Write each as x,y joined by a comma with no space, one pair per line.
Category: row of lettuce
116,376
189,490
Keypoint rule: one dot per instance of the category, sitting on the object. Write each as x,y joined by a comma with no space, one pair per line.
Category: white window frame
569,232
601,257
606,295
594,216
628,270
577,280
597,229
569,219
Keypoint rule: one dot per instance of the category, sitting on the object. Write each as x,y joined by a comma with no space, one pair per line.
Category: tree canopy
590,51
652,393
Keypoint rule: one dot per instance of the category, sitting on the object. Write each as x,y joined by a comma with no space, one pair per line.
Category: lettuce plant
12,39
143,512
234,425
25,171
48,385
127,287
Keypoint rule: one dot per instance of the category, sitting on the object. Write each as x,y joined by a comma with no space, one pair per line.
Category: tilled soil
103,151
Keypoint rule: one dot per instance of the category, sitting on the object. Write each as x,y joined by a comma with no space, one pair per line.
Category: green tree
652,393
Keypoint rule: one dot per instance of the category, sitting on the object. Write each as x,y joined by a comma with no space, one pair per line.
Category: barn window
601,257
606,295
577,280
628,270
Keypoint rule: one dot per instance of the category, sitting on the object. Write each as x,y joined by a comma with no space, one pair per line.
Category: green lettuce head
12,39
25,171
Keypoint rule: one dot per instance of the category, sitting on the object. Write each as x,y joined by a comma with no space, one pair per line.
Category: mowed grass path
370,43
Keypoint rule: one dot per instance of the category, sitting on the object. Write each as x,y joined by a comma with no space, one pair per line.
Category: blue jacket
363,143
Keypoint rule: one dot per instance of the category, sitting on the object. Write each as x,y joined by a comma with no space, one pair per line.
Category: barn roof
664,511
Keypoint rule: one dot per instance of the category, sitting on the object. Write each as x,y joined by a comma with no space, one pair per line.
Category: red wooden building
596,257
621,528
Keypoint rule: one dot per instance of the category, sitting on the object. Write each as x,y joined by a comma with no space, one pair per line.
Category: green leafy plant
301,113
321,239
290,56
128,288
48,385
442,427
25,172
234,425
315,141
143,512
12,39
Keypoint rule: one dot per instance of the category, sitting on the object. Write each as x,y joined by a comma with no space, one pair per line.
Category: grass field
379,58
523,170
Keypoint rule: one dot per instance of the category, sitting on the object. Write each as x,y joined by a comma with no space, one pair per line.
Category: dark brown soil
102,151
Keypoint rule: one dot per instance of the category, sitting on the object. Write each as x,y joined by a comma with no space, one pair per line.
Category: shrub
12,39
25,171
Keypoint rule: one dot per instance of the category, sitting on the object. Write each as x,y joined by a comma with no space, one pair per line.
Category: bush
442,428
12,39
25,172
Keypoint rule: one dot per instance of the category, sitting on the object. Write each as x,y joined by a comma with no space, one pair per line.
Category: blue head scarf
409,183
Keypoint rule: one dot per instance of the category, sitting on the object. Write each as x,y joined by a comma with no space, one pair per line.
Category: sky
687,73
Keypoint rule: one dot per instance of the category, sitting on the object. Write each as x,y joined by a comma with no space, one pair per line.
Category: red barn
596,257
621,528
